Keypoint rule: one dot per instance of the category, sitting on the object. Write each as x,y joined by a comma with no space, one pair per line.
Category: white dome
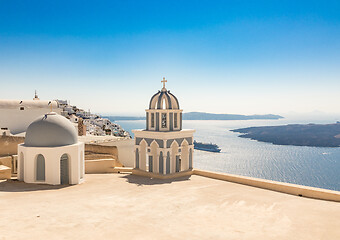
51,130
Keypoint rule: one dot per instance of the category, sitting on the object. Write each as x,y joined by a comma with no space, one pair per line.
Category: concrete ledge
100,166
122,170
5,172
161,176
289,188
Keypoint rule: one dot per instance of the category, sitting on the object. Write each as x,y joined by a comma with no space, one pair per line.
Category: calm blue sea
310,166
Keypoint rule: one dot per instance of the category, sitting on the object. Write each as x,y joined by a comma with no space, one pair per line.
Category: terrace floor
118,206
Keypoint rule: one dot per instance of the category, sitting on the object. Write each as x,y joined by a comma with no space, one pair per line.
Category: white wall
126,154
52,163
17,120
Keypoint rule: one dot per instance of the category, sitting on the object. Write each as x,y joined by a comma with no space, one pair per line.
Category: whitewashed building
16,115
164,147
51,153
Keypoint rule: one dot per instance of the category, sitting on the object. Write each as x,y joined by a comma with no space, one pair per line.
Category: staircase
101,163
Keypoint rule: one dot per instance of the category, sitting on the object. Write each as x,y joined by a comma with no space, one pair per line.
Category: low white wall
125,150
289,188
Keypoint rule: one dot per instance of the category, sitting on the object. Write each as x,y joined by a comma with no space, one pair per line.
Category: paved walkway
113,206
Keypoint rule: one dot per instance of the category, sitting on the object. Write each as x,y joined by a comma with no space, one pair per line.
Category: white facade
53,164
16,115
164,147
51,153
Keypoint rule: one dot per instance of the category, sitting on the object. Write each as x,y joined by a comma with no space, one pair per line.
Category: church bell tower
164,148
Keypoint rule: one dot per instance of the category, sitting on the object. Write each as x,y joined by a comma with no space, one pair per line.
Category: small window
22,108
152,120
175,120
163,120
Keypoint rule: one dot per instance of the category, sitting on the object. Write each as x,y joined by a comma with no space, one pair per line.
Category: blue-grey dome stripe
175,99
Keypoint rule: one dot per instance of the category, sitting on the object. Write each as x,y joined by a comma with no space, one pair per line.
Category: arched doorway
40,168
161,163
174,163
64,169
137,158
168,163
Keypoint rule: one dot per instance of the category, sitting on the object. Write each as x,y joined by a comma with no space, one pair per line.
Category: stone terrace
118,206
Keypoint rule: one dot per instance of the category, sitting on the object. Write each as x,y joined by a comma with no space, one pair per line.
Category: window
22,108
152,120
163,120
175,120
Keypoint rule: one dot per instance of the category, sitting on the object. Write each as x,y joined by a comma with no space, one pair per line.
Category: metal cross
164,81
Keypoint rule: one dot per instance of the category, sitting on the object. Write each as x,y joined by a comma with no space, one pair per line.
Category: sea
309,166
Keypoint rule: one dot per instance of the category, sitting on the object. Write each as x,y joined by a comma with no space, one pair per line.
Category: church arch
153,152
161,163
175,158
64,169
137,158
168,163
40,168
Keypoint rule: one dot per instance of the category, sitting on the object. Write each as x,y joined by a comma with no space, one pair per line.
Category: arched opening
40,168
21,167
163,104
137,159
175,161
161,163
150,164
168,163
64,169
81,165
153,154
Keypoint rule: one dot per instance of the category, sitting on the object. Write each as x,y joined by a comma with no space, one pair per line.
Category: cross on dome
164,81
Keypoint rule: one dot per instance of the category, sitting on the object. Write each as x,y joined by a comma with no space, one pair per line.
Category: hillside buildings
16,115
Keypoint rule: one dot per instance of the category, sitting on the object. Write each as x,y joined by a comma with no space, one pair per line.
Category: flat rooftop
118,206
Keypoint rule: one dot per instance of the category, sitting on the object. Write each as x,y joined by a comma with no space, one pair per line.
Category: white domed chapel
51,153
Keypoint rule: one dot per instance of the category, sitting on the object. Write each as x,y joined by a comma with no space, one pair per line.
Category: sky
242,57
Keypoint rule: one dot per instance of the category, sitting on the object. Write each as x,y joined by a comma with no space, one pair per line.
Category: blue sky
218,56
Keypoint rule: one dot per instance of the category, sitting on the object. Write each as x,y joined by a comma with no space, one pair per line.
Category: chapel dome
51,130
157,100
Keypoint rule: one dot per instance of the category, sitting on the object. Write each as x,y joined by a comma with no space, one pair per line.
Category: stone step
98,156
5,172
105,165
123,170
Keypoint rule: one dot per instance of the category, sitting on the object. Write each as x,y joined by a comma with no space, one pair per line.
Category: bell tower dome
164,114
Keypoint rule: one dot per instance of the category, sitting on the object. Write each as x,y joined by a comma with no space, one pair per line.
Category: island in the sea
208,116
313,135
